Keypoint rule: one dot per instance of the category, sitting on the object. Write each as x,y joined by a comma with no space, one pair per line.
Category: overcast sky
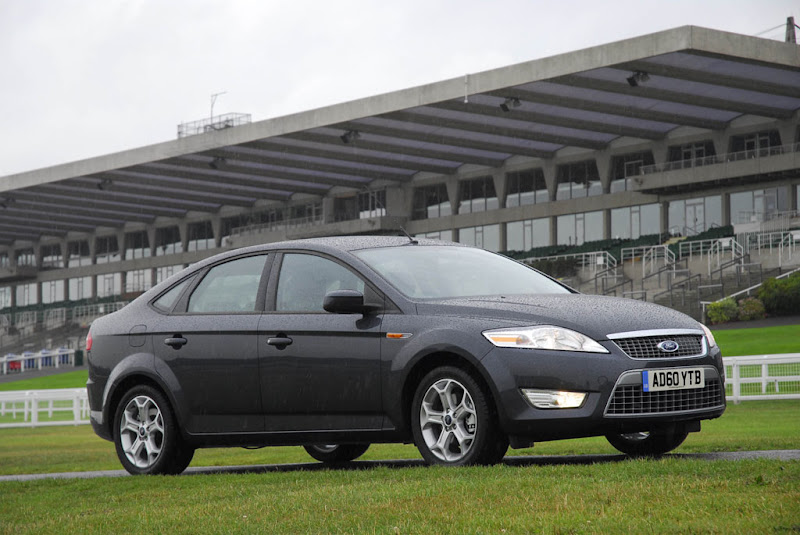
83,78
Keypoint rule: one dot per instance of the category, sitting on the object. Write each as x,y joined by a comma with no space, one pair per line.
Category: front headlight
709,336
543,337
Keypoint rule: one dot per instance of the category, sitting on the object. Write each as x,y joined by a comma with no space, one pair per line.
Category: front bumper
615,400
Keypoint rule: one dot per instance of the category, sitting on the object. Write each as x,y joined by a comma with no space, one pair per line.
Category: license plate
672,379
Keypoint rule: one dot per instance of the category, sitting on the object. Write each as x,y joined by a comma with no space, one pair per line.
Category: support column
603,162
64,244
607,224
549,171
328,207
151,239
397,202
726,208
553,230
720,141
216,228
121,244
453,194
499,179
183,230
665,217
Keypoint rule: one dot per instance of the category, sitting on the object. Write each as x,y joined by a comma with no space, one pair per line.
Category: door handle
279,341
176,342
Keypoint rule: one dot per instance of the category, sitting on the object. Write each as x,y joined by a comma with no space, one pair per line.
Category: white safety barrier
762,377
35,408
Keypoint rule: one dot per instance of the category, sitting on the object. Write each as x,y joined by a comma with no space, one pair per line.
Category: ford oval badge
668,346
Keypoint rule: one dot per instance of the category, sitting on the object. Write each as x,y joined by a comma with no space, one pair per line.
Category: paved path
544,460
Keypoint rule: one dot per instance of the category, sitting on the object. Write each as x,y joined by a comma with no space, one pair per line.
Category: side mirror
344,302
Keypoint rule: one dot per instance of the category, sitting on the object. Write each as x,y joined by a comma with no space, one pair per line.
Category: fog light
554,399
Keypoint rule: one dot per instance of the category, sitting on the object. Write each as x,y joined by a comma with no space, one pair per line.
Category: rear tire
146,435
336,453
452,420
645,443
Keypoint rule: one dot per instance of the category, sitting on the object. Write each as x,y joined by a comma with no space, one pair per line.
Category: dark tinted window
167,300
229,287
305,279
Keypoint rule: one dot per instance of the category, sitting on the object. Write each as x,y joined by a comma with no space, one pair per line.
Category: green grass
759,341
755,425
73,379
668,495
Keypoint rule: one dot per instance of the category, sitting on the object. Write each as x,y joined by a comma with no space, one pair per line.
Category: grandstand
664,167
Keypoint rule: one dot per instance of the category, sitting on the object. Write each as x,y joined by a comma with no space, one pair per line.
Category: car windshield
435,272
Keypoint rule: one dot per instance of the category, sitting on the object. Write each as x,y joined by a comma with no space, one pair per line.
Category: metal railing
718,251
595,260
218,122
762,377
270,226
720,158
37,408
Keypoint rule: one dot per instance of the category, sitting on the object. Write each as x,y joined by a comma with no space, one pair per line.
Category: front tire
146,435
452,420
646,443
336,453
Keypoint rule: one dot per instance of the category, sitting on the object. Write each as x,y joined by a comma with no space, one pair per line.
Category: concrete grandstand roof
696,77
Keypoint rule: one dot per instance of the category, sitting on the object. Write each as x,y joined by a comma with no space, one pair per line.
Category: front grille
689,345
631,399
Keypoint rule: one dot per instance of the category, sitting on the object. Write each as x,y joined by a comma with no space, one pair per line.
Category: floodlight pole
213,100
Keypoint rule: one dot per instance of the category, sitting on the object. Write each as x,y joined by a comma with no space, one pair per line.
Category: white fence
762,377
35,408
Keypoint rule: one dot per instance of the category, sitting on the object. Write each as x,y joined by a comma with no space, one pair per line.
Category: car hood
593,315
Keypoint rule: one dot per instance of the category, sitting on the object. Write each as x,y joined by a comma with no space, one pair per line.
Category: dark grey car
337,343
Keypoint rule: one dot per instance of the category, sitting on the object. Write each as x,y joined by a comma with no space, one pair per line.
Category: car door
319,370
210,345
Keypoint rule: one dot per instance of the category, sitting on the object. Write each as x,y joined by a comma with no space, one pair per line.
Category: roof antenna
411,240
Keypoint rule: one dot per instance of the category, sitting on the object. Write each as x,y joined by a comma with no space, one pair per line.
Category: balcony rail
720,158
46,358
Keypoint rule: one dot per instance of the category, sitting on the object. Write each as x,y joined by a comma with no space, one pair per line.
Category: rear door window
229,287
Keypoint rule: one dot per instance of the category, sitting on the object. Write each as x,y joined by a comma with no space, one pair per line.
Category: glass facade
163,273
137,245
626,166
26,294
52,292
138,280
635,221
446,235
80,288
201,236
51,256
430,202
526,187
527,234
477,195
26,257
371,204
758,205
168,241
690,217
575,229
106,249
487,237
109,284
78,254
5,296
579,179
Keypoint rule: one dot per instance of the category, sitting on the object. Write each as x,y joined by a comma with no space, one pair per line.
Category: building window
106,249
168,241
758,205
78,254
755,145
487,237
527,234
691,155
693,216
26,294
165,272
371,204
627,166
80,288
201,236
109,284
138,280
5,297
576,229
26,257
477,195
579,179
635,221
137,245
445,235
4,260
526,187
306,213
52,292
51,256
430,202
